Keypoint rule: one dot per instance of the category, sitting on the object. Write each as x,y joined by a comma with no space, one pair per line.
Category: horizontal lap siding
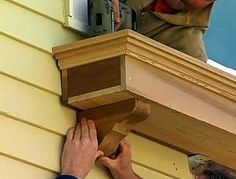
29,65
42,149
32,29
159,158
33,121
34,106
149,174
13,169
50,8
30,144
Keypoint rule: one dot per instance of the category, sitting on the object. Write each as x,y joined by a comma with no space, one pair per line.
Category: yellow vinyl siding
34,106
149,174
41,148
22,170
13,169
31,144
33,122
159,158
50,8
33,29
29,65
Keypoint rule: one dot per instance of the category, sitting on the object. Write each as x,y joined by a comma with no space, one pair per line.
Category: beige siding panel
30,144
35,146
43,149
99,172
159,157
26,171
50,8
34,106
33,29
149,174
13,169
29,64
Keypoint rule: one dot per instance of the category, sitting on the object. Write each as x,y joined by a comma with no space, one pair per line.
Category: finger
125,147
77,132
70,134
84,129
99,154
107,162
92,131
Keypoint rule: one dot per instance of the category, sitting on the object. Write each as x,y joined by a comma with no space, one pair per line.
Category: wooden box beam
193,105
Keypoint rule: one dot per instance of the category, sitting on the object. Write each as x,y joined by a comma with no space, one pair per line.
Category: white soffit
221,67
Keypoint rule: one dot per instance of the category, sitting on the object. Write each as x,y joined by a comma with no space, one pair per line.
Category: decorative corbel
115,121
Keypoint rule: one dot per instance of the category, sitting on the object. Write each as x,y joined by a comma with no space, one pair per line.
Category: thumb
107,162
99,153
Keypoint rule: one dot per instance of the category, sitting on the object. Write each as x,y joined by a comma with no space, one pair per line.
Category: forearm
116,10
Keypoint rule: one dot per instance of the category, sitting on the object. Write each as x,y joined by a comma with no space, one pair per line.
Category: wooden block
190,101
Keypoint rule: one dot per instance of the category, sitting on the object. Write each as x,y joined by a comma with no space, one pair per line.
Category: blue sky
220,39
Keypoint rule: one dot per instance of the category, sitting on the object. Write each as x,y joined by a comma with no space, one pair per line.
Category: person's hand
80,149
118,23
120,167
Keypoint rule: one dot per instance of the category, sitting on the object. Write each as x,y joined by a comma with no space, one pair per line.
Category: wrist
66,177
125,174
72,173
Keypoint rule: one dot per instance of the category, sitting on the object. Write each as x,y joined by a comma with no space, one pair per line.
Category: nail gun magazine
102,19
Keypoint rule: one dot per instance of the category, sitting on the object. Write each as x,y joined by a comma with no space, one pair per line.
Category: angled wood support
115,121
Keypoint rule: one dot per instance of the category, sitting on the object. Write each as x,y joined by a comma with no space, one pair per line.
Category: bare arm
80,150
120,167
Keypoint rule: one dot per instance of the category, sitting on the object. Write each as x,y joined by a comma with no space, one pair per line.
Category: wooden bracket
115,121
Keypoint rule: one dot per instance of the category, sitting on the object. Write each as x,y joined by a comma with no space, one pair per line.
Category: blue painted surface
221,37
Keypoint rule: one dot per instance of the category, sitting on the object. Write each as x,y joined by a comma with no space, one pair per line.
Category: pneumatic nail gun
102,20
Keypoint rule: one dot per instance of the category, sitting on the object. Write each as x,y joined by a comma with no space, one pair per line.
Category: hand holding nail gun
107,16
163,6
179,24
